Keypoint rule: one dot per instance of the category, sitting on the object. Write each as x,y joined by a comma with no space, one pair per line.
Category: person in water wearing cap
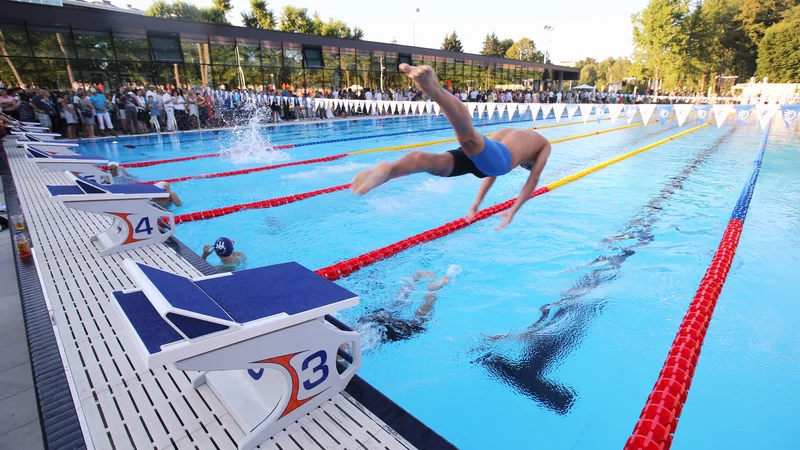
486,158
173,198
118,171
223,247
387,321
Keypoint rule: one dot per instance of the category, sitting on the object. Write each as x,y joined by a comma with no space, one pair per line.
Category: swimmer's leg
430,298
439,164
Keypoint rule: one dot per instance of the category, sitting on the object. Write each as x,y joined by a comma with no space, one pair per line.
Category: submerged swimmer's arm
175,199
528,188
486,184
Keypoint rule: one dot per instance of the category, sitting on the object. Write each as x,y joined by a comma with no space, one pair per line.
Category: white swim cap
161,185
113,164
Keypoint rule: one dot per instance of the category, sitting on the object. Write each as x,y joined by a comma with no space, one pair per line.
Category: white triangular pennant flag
393,106
682,112
437,109
646,110
490,107
481,109
407,107
558,110
765,113
501,108
535,107
546,108
472,107
630,113
571,110
586,109
614,110
522,108
512,108
428,107
721,112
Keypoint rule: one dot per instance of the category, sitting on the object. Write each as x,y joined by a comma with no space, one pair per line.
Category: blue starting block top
37,153
83,186
243,297
31,136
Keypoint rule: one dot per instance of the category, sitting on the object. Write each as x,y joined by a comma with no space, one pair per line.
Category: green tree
726,48
259,16
337,28
297,20
658,36
452,43
524,50
505,44
224,5
778,55
589,74
758,15
492,46
186,11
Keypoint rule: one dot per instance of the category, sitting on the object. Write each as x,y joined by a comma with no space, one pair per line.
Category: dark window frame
153,52
318,49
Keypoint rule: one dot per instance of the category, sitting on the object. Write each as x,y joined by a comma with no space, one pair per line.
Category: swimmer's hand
470,217
507,216
424,77
206,250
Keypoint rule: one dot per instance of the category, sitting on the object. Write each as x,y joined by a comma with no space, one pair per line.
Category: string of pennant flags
588,111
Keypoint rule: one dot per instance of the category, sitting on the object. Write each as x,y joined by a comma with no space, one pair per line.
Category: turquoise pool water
551,333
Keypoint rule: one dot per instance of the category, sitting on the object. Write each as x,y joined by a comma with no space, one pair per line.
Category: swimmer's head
223,247
113,165
162,185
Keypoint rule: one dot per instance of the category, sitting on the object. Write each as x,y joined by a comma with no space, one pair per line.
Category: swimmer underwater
483,157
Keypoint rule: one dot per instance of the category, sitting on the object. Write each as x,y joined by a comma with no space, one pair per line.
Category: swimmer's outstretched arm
486,184
425,78
528,188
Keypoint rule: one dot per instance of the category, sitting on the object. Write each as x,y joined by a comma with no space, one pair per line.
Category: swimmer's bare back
524,146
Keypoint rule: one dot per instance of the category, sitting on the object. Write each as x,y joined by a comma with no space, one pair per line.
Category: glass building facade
115,48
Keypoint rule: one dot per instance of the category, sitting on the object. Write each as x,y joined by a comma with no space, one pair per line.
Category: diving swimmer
394,328
483,157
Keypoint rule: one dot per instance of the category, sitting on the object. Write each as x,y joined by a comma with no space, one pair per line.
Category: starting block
83,166
259,338
51,149
28,139
39,132
137,220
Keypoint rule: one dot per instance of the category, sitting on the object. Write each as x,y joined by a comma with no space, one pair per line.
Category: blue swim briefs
494,160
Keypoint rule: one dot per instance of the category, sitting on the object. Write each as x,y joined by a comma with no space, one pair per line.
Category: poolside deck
119,403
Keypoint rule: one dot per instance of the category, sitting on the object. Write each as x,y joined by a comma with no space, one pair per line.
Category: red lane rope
251,170
345,268
223,211
155,162
659,418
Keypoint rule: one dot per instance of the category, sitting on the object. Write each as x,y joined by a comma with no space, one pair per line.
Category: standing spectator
87,115
9,104
101,116
169,108
26,111
69,113
192,105
131,111
43,108
155,111
181,118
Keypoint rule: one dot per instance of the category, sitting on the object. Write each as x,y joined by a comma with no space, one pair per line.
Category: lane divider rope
270,203
340,156
156,162
347,267
659,418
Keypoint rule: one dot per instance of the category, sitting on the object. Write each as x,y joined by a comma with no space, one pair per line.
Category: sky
585,28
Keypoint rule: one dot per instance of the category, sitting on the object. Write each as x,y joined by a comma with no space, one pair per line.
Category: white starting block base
138,221
258,336
82,166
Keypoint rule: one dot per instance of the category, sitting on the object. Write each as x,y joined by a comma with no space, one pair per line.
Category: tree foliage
259,16
524,50
186,11
601,73
779,52
492,46
452,43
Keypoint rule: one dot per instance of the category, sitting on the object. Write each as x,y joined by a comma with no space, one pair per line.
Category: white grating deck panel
123,404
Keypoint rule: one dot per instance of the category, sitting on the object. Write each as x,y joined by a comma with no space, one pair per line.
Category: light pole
549,30
414,25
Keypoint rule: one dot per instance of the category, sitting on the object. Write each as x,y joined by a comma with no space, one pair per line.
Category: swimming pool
551,333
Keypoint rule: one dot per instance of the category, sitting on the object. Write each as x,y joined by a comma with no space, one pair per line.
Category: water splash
436,185
251,145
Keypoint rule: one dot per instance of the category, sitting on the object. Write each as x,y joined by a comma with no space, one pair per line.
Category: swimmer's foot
369,179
